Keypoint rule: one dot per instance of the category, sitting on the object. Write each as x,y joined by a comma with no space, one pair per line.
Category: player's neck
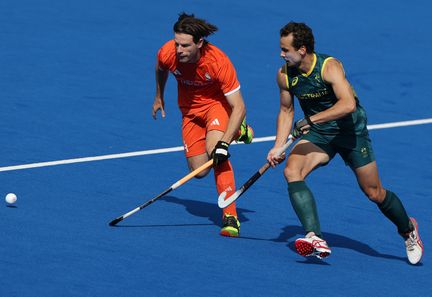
308,63
196,58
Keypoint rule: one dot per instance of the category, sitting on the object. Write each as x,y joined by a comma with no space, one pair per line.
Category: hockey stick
173,187
222,203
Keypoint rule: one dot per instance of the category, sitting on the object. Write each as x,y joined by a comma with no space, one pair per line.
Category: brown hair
302,35
198,28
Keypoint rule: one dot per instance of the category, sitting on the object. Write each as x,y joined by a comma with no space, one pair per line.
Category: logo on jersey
194,83
215,122
294,81
317,95
364,152
207,76
317,76
177,72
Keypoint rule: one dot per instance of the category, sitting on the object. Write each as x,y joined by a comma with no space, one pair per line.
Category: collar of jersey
312,67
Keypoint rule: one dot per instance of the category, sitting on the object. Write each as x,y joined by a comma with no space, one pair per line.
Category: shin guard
393,209
304,205
224,176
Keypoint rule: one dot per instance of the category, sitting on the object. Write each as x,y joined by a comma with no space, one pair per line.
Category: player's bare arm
334,74
161,79
238,112
284,120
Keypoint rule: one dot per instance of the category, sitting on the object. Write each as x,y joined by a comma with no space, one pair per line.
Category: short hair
198,28
302,35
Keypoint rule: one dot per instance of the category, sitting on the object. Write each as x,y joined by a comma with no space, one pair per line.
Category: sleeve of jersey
163,59
227,78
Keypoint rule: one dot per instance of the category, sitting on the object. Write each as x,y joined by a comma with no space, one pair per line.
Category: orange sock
224,176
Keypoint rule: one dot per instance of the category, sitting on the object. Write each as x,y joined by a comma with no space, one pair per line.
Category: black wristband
308,120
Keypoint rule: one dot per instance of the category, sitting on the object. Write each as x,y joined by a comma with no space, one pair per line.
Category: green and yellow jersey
315,95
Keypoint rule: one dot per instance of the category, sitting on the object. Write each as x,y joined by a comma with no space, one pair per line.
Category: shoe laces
230,221
411,241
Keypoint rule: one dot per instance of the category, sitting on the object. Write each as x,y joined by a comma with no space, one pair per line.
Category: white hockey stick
222,203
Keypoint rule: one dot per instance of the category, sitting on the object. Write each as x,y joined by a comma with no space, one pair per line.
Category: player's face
292,56
187,50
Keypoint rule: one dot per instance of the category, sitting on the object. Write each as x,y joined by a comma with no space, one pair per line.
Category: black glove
299,129
220,152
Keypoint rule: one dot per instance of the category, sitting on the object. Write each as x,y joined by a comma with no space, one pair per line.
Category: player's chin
183,59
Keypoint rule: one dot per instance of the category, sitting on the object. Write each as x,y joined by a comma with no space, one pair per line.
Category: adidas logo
207,76
176,72
215,122
229,189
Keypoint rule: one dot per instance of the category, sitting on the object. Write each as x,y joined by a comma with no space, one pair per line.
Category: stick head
222,202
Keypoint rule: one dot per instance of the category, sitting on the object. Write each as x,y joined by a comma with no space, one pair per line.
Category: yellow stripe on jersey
324,64
313,66
286,76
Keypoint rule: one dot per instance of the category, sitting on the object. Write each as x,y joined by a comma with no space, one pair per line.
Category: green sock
304,205
393,209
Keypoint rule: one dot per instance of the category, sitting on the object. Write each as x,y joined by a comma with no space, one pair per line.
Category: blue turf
77,80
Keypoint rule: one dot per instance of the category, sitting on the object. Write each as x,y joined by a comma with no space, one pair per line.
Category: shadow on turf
160,225
334,240
205,209
289,233
199,209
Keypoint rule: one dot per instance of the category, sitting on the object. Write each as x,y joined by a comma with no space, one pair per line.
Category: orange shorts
195,127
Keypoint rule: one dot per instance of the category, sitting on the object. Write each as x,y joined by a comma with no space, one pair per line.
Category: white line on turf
180,148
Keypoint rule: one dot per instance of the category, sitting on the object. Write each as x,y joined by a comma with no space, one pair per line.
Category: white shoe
312,246
414,245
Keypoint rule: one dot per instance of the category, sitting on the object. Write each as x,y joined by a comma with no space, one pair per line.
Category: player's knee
375,194
292,174
201,174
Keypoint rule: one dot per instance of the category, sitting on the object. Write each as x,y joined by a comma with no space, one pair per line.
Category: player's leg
360,157
194,141
303,159
389,204
198,146
196,161
217,120
392,207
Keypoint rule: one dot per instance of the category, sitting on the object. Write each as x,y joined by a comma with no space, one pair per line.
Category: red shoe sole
304,248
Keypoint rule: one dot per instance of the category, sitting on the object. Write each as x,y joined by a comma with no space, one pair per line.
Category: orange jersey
201,84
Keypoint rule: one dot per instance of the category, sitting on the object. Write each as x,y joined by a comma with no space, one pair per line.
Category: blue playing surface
77,80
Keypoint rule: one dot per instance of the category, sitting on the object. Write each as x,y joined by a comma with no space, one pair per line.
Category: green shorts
355,150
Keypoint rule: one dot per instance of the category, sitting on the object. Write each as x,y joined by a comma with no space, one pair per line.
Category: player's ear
200,42
302,50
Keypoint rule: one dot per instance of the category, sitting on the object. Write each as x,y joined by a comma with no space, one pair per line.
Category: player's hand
274,157
220,153
301,127
158,104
